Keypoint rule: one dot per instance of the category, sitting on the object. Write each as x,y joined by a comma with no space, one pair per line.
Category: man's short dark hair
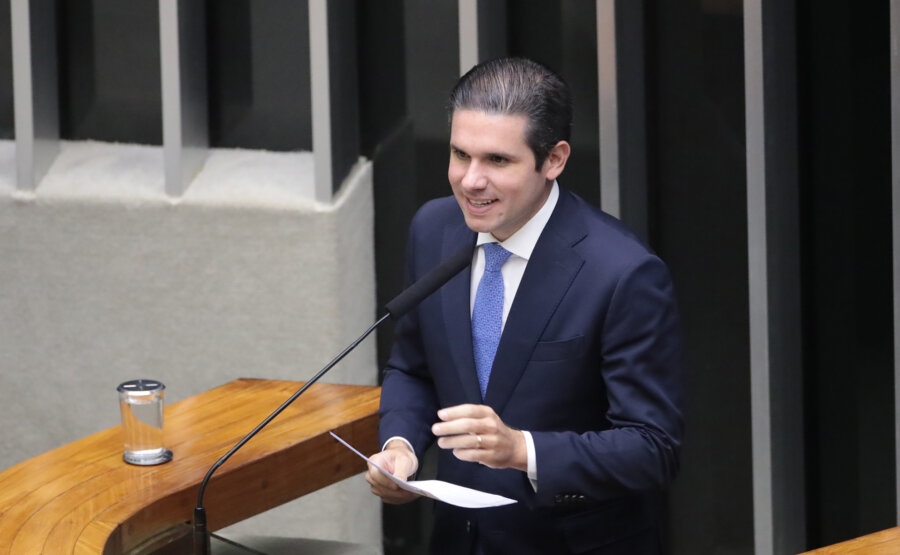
513,86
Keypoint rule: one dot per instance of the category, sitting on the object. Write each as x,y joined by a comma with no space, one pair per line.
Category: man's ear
556,160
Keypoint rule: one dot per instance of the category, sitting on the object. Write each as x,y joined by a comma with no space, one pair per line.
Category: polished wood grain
886,542
83,498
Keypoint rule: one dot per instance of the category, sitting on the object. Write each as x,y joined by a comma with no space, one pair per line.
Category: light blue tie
487,316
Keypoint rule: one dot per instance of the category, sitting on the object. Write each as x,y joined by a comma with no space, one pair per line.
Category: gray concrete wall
99,285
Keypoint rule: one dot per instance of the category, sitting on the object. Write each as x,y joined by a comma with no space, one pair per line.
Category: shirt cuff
398,438
532,459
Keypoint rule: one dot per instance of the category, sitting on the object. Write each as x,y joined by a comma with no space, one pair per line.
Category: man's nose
474,177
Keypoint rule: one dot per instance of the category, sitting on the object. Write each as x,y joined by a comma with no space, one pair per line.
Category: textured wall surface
97,288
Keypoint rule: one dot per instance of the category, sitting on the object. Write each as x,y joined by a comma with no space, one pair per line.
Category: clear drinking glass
141,402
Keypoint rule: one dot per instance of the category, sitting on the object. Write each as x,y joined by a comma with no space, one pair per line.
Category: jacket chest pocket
546,351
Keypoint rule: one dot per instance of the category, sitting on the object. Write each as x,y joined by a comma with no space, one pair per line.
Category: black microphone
397,307
429,283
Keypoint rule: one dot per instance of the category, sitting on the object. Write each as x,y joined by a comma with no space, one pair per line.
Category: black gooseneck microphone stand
400,305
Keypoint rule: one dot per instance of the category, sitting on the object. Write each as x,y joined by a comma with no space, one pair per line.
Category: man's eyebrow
500,154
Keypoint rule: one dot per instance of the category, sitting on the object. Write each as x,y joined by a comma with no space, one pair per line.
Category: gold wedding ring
478,437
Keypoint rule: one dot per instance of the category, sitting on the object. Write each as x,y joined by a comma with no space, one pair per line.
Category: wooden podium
880,543
83,498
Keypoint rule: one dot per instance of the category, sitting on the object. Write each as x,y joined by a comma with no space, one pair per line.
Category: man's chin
478,225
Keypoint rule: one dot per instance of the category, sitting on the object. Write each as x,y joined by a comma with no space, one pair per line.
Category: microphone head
430,282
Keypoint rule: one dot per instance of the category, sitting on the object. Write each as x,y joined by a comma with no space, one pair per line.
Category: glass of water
141,402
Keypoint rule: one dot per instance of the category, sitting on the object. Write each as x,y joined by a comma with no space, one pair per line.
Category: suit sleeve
642,372
408,400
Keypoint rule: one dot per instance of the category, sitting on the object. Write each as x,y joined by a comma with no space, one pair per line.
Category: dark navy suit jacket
589,362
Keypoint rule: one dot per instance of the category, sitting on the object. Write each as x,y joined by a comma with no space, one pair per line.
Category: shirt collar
522,242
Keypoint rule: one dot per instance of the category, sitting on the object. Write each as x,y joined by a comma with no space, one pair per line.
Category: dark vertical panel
344,83
230,81
259,87
7,118
845,104
386,137
382,72
109,71
432,62
492,29
395,205
631,98
529,36
405,527
431,54
578,66
563,36
698,191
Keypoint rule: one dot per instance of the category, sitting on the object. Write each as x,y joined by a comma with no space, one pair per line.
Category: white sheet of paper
442,491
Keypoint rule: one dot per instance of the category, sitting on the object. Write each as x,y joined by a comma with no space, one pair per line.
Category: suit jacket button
558,498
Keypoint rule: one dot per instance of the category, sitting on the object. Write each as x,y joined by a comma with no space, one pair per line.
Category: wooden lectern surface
83,498
886,542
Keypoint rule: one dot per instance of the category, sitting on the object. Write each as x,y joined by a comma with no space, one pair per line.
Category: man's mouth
480,203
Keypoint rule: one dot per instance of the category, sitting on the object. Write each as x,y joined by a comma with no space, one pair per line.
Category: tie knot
494,257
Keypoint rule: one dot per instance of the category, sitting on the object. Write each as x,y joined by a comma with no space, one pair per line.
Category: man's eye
498,159
460,154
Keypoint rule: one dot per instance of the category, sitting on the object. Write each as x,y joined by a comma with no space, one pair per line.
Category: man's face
492,172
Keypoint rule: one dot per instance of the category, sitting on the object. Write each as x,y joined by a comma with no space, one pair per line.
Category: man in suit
549,371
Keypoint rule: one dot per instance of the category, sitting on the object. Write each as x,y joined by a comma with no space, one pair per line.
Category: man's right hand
399,460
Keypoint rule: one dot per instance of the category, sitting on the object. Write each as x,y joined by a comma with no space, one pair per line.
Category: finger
383,486
382,463
473,455
464,441
378,478
384,459
402,468
459,426
392,495
380,490
484,426
464,411
380,487
374,480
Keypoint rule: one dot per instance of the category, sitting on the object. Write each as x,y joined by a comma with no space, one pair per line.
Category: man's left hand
476,434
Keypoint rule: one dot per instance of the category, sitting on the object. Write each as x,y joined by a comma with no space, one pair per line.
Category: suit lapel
457,320
550,272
